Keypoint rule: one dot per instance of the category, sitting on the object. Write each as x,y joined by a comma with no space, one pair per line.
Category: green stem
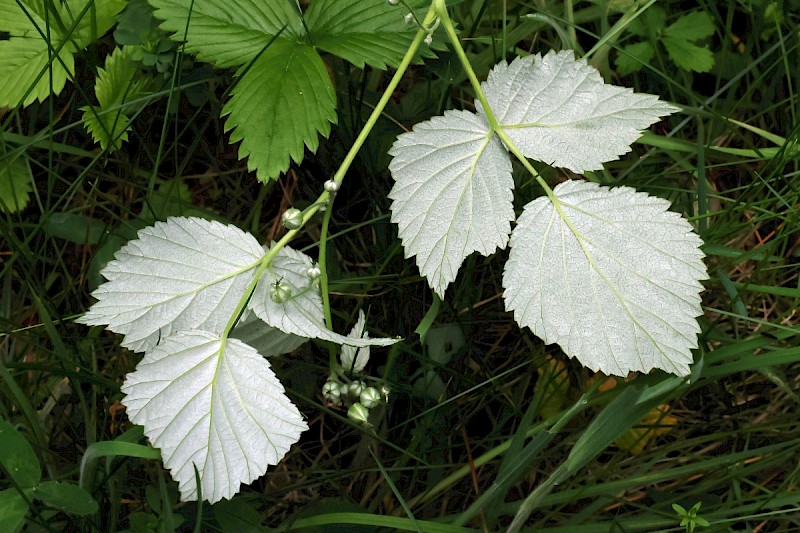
326,199
494,124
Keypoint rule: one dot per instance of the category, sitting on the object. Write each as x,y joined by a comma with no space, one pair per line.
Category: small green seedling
689,519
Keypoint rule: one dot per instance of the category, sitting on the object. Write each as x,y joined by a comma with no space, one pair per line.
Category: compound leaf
355,359
679,41
559,111
16,183
302,313
26,57
279,106
453,193
610,275
226,34
693,26
363,32
185,273
214,405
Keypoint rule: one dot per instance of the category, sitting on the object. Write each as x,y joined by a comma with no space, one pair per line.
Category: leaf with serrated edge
185,273
279,107
610,275
559,111
452,194
16,183
224,34
302,314
355,359
364,32
26,54
213,405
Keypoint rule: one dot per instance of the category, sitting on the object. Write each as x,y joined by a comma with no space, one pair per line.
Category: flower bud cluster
357,395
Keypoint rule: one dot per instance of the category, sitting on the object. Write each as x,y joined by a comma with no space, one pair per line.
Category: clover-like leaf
185,273
279,107
301,314
214,405
559,111
610,275
452,194
30,68
355,359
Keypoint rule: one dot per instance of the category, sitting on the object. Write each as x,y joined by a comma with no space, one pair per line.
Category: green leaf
228,35
633,57
17,457
279,106
16,183
362,32
649,22
692,27
25,56
76,228
679,40
66,497
688,56
13,509
238,515
117,85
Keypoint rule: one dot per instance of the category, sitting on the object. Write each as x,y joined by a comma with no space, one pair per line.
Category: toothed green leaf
227,34
16,183
368,32
280,106
29,69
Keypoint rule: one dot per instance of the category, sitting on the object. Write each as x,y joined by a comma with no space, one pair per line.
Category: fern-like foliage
284,97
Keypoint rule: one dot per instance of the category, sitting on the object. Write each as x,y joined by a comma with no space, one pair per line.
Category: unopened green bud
330,391
358,413
356,388
370,397
280,292
292,218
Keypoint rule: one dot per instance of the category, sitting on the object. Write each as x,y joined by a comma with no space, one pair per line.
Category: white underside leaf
559,111
610,275
355,359
302,314
212,405
452,194
185,273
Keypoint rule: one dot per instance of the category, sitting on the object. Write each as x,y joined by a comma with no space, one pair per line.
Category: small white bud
370,397
330,391
344,388
409,18
280,292
392,2
356,388
313,272
429,39
359,413
385,392
292,218
331,186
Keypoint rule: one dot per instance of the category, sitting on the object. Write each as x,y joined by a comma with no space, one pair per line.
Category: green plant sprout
689,519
